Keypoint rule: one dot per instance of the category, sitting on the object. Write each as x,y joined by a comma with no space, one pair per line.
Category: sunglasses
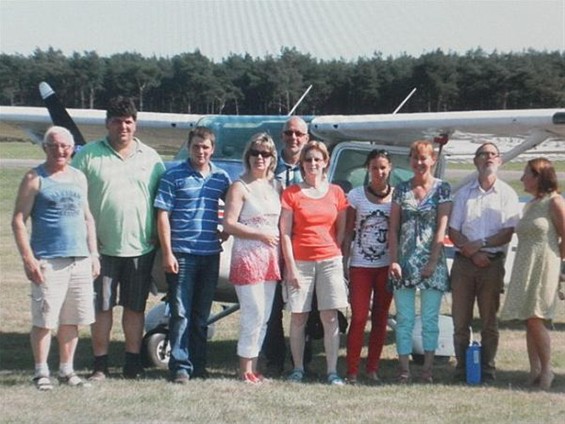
290,133
261,153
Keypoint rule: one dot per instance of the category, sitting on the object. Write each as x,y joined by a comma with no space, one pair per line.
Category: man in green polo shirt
123,175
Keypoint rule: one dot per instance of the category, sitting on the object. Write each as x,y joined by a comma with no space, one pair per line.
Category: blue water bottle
473,363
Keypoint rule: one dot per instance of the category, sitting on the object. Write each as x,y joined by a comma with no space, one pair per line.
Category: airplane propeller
59,114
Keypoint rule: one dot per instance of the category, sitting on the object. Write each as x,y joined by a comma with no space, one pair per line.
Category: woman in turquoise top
418,222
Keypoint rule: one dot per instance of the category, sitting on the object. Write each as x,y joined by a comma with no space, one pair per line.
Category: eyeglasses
55,147
487,155
261,153
290,133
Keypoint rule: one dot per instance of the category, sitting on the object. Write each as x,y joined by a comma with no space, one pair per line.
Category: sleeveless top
253,261
57,216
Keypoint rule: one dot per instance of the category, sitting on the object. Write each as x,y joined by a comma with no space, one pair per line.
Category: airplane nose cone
45,90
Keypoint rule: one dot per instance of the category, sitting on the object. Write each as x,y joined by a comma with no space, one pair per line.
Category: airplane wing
34,121
402,129
532,125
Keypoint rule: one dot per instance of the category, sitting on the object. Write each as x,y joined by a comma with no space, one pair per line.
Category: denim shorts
123,281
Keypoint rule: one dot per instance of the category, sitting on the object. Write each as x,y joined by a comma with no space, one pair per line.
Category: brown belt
491,255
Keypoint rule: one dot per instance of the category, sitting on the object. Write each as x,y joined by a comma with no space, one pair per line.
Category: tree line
241,84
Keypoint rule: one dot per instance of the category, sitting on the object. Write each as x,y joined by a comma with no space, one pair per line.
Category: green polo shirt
121,194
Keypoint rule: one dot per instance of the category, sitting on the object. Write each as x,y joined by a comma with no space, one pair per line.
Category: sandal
335,380
426,377
351,379
296,376
404,377
43,383
250,378
374,377
72,380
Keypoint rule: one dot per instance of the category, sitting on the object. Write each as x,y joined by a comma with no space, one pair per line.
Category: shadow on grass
16,360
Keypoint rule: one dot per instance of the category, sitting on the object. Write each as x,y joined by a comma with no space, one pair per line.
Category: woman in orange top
312,229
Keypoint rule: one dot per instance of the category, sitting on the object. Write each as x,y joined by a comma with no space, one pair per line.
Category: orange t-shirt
314,222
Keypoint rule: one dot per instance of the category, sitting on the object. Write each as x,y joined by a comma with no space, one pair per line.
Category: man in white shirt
482,221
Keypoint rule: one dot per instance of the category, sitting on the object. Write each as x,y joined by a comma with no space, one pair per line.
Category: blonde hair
314,145
265,140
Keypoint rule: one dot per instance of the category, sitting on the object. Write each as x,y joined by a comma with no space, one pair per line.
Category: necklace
380,196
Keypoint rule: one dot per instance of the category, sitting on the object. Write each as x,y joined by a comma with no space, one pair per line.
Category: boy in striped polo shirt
187,222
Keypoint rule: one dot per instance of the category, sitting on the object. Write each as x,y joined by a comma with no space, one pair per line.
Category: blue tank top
57,217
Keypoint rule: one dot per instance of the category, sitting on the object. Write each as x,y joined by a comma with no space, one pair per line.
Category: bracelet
95,255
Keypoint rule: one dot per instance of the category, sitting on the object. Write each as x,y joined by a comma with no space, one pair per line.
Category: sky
330,29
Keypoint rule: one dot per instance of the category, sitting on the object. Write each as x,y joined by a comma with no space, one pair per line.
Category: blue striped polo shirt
192,202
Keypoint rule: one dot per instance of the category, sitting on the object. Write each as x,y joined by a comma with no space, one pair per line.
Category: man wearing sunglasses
294,136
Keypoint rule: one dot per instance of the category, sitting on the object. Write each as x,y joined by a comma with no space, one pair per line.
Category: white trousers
256,302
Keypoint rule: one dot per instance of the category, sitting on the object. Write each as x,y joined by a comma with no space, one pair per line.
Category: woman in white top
252,215
365,247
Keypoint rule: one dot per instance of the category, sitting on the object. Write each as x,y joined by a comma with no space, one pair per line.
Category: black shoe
180,378
460,376
132,372
274,371
488,376
133,368
203,375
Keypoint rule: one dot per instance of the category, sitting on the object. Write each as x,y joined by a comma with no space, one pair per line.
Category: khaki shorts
66,297
326,276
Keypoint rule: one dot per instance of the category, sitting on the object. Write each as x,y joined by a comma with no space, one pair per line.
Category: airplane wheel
157,350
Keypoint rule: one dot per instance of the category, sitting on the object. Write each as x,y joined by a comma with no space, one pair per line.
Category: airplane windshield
233,132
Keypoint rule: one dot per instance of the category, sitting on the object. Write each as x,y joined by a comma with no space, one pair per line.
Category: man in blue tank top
61,259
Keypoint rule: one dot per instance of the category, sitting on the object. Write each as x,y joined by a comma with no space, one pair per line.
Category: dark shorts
123,281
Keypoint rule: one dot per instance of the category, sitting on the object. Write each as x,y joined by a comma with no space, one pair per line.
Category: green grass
223,399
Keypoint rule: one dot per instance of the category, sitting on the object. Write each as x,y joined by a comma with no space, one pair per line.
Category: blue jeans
405,302
191,293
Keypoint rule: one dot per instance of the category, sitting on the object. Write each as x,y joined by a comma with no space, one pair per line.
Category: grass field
224,399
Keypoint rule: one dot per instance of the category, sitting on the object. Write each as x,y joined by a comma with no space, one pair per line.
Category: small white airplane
343,133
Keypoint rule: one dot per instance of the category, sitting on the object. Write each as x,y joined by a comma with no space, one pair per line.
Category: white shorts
67,295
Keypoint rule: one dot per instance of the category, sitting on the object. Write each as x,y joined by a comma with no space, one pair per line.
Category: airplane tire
157,350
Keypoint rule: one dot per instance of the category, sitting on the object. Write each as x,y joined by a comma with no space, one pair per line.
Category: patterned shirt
418,226
370,245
